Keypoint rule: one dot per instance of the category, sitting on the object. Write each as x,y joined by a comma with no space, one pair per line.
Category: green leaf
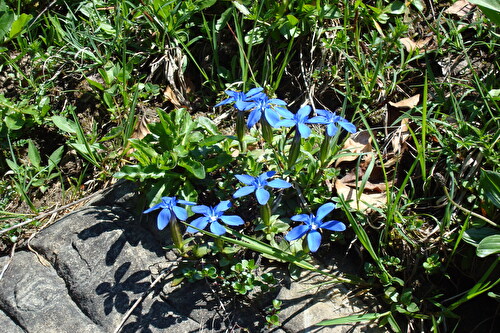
64,124
14,121
490,8
33,154
489,245
5,23
396,8
194,167
474,236
95,84
353,319
489,181
19,24
55,157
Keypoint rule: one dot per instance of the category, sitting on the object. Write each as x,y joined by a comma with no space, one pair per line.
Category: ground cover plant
289,129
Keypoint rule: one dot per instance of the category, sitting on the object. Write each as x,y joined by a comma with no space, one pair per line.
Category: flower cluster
258,103
271,113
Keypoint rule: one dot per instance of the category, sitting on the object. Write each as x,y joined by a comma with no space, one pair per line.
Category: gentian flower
312,224
168,206
331,120
299,119
212,215
262,104
258,184
241,99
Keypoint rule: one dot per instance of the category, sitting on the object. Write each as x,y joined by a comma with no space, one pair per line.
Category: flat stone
8,325
37,298
309,301
105,259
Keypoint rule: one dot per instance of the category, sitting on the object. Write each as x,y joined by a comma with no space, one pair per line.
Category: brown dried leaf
399,139
365,200
410,45
460,8
407,103
171,96
359,143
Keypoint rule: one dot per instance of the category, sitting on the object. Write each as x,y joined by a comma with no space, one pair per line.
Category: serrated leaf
489,245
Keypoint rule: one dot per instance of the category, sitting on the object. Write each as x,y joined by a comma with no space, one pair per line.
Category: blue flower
168,206
312,224
262,104
299,119
212,215
331,120
241,99
258,184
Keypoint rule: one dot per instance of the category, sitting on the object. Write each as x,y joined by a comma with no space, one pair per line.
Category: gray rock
309,301
104,259
9,325
37,298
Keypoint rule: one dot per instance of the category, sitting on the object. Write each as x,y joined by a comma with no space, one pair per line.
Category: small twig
441,181
140,299
43,215
9,261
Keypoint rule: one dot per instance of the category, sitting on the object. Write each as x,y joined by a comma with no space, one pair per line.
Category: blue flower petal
180,213
276,101
331,129
317,120
300,217
297,232
184,202
324,210
349,127
313,240
304,112
226,101
285,123
253,117
241,105
272,117
253,91
333,226
149,210
304,130
200,223
232,219
279,183
267,175
284,113
222,206
201,209
217,228
245,179
262,196
163,218
246,190
324,113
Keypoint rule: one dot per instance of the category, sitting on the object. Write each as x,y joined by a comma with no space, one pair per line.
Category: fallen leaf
460,8
411,45
407,103
366,201
355,145
400,136
171,96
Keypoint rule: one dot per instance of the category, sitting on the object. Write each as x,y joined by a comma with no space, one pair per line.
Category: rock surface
91,266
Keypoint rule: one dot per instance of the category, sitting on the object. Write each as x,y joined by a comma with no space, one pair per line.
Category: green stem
265,214
240,129
293,154
175,230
